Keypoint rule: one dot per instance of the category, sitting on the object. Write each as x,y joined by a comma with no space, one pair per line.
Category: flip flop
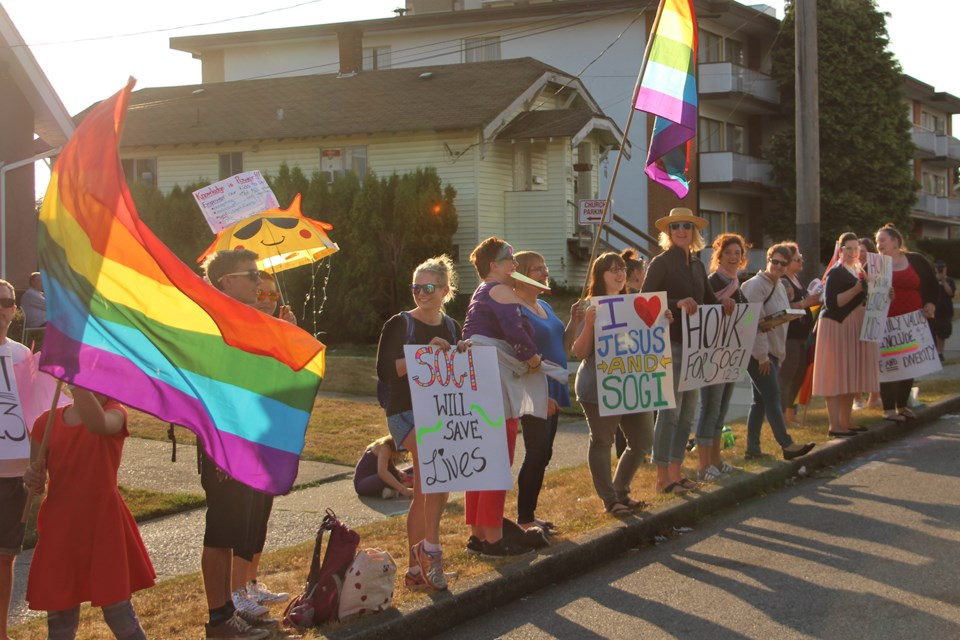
907,413
674,488
894,417
635,504
549,527
618,509
687,483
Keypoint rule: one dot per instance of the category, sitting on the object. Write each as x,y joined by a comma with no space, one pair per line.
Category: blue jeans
714,402
673,426
766,402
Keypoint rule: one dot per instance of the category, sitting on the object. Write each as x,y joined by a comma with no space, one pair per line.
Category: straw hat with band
680,214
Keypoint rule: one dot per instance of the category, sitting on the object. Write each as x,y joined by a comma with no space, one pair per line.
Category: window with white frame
933,122
721,222
481,49
231,164
336,161
141,170
376,58
712,47
522,167
934,184
736,138
710,135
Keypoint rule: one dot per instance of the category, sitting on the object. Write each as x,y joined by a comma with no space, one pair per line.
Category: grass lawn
176,608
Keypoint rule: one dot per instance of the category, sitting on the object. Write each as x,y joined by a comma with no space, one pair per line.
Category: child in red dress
89,548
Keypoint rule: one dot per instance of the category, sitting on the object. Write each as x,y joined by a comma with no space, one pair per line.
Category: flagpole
42,449
626,133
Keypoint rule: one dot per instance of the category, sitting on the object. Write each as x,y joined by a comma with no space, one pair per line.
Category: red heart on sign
647,310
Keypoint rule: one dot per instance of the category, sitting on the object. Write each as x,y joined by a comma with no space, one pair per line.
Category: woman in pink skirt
844,366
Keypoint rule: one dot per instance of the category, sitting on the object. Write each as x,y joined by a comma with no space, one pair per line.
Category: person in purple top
494,312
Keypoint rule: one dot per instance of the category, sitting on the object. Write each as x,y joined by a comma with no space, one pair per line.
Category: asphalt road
867,550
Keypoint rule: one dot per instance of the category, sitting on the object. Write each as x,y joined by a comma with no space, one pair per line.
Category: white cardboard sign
231,200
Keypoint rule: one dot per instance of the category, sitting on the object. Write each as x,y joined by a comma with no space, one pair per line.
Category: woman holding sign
914,288
769,350
434,284
608,276
678,272
495,314
844,365
553,340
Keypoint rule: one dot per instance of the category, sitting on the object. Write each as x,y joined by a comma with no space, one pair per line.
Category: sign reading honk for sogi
632,347
458,418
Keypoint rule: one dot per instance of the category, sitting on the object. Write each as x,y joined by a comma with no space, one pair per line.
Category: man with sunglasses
12,494
230,504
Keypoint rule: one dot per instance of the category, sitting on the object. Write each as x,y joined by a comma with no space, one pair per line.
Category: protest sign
907,349
632,346
716,346
235,198
878,297
458,419
14,444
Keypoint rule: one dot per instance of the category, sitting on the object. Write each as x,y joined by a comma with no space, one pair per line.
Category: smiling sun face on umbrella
283,239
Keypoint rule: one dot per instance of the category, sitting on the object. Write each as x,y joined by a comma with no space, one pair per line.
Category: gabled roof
556,123
51,121
483,95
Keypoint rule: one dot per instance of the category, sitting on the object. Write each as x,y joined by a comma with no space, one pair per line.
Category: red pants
485,508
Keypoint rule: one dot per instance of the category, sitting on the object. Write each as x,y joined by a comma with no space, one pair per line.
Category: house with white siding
518,139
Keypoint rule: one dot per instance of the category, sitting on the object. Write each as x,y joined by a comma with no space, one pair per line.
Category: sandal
893,416
547,526
618,509
674,488
635,504
687,483
907,413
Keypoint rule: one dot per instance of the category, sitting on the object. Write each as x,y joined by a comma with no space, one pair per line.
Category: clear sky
88,48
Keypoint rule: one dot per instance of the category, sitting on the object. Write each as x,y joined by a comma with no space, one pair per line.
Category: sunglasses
617,269
426,288
779,263
253,274
7,303
686,226
268,295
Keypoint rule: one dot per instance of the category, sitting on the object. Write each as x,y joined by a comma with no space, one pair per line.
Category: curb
507,584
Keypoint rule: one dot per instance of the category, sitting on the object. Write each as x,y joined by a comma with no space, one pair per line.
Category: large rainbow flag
668,90
126,318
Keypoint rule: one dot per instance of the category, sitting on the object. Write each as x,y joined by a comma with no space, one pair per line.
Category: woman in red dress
89,548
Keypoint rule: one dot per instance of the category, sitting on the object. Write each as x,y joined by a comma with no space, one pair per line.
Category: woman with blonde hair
678,272
434,285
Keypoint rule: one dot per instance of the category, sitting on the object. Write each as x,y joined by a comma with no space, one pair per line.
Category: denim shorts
400,426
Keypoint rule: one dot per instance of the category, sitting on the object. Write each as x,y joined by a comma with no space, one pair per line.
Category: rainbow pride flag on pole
668,90
126,318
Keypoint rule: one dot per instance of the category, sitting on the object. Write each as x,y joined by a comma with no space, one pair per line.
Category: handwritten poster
458,418
716,346
632,345
14,444
907,349
235,198
878,297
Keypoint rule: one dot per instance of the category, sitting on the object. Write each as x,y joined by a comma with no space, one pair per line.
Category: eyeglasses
426,288
798,259
268,295
253,274
7,303
617,269
779,263
686,226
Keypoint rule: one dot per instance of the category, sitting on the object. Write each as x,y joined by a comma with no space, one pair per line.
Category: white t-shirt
14,468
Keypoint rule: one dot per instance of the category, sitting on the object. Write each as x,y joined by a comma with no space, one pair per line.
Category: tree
866,175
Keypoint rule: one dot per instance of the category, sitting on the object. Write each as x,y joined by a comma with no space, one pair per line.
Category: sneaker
474,545
726,469
431,567
388,493
247,608
501,549
233,628
710,474
262,595
417,583
858,404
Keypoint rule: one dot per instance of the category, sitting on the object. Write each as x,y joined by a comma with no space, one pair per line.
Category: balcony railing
726,77
726,166
935,145
938,205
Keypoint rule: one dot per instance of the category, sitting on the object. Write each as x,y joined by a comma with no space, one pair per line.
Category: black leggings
538,435
895,395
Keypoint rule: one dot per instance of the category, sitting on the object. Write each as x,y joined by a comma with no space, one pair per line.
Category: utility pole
808,136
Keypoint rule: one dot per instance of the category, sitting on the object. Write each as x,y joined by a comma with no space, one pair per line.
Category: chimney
350,40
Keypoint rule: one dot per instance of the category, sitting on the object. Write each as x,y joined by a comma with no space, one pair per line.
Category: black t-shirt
390,349
945,302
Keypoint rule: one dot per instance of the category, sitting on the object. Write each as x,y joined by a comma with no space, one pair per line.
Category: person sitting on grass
377,475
